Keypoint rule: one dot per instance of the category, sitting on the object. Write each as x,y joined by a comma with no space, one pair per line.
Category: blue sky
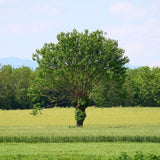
26,25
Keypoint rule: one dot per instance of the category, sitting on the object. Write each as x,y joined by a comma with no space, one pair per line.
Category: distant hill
18,62
132,66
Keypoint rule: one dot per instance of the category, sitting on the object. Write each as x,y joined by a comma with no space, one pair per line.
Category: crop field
108,133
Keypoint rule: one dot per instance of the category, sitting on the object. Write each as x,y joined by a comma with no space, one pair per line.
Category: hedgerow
74,139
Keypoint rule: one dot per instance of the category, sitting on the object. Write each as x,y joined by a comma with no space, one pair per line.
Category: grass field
95,116
108,131
74,150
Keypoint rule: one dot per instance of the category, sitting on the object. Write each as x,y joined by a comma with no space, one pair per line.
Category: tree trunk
80,123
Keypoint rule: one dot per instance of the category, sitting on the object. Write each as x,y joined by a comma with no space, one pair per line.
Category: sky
25,25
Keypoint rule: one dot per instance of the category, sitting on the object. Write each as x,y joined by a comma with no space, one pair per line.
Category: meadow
107,133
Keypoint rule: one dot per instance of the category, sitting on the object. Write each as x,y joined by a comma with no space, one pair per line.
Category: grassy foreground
118,126
101,125
99,151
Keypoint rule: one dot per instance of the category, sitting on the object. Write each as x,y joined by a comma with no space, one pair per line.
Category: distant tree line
21,88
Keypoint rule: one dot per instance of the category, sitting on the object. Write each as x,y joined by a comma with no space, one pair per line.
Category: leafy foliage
79,61
22,88
14,84
142,86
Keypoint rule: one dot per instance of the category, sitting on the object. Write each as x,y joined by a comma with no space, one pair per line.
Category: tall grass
87,151
42,135
101,125
99,116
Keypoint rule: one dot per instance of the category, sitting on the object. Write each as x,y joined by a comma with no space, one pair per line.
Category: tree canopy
78,62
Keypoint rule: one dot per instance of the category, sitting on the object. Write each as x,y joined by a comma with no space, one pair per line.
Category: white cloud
47,8
28,18
127,10
33,27
126,33
23,11
6,1
153,29
141,42
154,64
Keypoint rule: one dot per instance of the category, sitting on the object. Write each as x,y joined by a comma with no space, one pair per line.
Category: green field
107,132
95,116
74,150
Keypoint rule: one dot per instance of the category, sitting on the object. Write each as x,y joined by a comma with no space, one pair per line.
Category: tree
21,78
155,83
43,93
7,96
132,85
14,84
110,92
78,62
143,87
